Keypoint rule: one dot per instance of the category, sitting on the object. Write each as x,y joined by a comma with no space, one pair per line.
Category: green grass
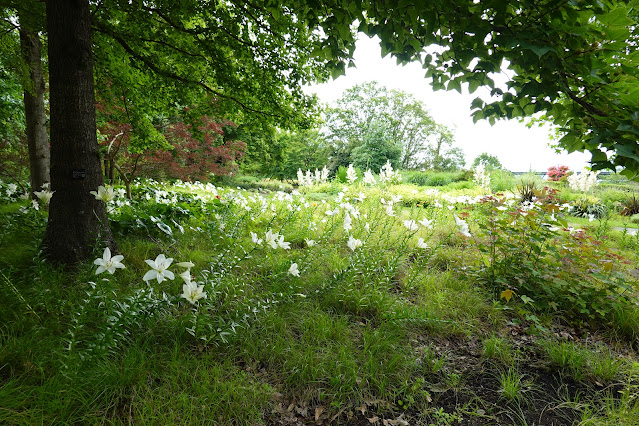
511,385
388,330
498,349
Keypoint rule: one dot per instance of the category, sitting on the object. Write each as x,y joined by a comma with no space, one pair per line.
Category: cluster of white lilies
191,290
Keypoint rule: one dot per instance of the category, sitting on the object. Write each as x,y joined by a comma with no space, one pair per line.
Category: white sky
518,148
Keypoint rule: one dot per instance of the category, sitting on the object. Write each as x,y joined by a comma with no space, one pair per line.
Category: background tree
376,149
489,161
184,147
14,164
442,156
21,57
361,111
303,149
264,153
34,108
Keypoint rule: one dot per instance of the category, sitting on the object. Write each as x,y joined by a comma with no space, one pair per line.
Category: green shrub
439,179
588,207
526,190
630,207
464,175
464,184
416,178
528,254
502,180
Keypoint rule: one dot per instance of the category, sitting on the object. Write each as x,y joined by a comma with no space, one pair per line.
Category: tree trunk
78,222
36,128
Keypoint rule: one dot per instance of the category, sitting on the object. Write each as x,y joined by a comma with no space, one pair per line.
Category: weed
510,385
498,349
568,357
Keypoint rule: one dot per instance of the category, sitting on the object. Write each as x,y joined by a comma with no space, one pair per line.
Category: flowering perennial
583,181
389,176
159,269
108,263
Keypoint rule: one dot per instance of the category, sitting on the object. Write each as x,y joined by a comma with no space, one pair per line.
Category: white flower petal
150,275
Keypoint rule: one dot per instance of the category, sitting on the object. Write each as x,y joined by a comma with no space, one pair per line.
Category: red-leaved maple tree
176,149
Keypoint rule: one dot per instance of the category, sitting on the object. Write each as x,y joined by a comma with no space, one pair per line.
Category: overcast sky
517,147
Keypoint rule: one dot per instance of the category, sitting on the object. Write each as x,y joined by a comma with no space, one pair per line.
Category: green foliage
498,349
490,162
527,254
589,207
376,149
630,206
443,159
102,323
432,178
502,180
385,322
526,189
254,183
511,385
304,149
370,122
581,363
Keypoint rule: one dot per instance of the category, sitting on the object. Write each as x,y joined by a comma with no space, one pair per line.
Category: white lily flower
421,243
44,196
351,174
348,222
309,242
462,225
108,263
193,292
293,270
271,238
283,244
255,239
353,243
369,179
411,225
159,269
186,276
12,188
104,194
426,223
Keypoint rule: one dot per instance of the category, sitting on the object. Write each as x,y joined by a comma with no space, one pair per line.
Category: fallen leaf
397,422
362,409
373,419
318,412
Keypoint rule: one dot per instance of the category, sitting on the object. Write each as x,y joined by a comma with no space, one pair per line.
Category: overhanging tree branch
155,68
